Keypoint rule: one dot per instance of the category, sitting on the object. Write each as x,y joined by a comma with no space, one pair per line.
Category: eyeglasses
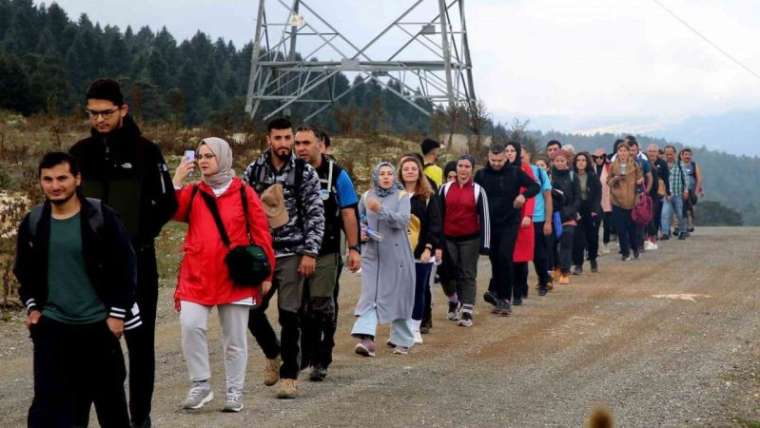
207,156
105,114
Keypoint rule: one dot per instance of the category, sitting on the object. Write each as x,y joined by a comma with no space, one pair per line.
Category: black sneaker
490,297
542,290
635,255
517,301
453,314
594,266
665,237
466,320
681,236
577,270
318,374
503,308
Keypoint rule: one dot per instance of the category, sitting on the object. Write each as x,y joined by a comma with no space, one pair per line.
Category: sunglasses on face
598,157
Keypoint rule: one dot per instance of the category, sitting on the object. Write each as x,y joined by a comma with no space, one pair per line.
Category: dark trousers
421,284
74,367
609,227
289,285
501,255
563,249
141,340
586,239
540,253
626,230
463,256
521,279
654,226
318,318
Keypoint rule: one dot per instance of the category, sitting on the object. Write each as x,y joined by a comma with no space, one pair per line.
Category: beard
59,202
282,154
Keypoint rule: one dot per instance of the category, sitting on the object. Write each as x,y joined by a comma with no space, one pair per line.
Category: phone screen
190,155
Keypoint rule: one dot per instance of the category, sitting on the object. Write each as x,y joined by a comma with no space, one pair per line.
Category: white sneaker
648,245
417,338
605,249
200,394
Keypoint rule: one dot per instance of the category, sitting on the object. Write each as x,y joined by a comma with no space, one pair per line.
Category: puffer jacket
203,276
566,194
306,215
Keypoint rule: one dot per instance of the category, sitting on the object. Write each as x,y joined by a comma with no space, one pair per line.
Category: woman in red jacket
525,242
203,277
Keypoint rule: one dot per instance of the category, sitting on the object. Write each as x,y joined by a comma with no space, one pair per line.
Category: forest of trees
47,60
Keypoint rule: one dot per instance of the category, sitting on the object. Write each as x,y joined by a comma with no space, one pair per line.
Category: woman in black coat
586,237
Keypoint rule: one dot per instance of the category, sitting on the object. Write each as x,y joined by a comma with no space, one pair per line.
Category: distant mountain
735,132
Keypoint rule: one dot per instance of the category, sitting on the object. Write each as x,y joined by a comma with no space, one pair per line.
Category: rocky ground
671,340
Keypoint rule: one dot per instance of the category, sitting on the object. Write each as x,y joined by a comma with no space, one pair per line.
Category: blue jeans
421,286
401,330
670,207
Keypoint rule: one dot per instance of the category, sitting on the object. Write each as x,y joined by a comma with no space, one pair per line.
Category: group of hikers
86,259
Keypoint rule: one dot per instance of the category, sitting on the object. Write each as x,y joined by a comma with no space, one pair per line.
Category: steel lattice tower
421,55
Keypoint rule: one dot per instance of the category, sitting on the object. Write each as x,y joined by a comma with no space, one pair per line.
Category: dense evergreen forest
47,60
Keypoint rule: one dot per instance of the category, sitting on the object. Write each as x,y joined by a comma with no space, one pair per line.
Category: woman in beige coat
624,176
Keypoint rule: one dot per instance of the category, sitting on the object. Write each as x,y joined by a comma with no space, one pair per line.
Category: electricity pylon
422,56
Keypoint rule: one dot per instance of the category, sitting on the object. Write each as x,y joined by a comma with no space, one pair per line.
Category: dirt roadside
670,340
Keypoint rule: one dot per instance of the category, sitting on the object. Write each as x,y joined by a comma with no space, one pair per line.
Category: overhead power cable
707,40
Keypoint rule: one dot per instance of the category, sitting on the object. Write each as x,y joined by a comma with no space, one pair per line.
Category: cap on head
106,89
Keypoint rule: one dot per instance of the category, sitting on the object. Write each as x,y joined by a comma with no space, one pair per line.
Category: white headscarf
220,149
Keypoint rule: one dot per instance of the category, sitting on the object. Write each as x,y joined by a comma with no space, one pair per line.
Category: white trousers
234,319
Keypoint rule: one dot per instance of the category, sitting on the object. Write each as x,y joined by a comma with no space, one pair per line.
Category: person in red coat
203,276
525,243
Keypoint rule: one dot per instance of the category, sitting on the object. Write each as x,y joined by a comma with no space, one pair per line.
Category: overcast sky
590,59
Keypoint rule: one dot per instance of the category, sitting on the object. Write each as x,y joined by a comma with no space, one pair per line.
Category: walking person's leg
592,239
106,370
402,335
539,258
452,278
607,222
469,252
521,281
566,250
234,319
579,246
365,329
665,218
193,319
320,317
619,216
505,252
262,331
289,298
497,270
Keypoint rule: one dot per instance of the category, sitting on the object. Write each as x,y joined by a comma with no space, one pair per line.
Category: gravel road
671,340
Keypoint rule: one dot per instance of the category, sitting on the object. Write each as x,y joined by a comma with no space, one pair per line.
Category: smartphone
190,155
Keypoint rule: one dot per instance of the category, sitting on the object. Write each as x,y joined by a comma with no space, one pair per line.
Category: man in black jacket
502,181
76,268
128,172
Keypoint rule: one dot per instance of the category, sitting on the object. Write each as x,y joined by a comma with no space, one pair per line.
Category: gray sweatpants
234,319
464,257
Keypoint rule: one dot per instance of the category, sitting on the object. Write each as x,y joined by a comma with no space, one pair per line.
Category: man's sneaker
318,374
564,279
577,270
365,348
401,350
272,370
454,308
504,308
542,290
465,320
594,266
681,236
288,388
490,297
200,393
627,258
233,402
417,338
649,245
635,254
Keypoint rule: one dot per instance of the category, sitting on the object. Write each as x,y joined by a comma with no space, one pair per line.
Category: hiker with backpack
76,270
625,175
128,173
223,215
321,289
566,203
467,234
693,175
586,239
424,234
296,240
388,271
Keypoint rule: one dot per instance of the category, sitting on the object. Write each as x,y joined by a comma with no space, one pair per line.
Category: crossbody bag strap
244,200
211,204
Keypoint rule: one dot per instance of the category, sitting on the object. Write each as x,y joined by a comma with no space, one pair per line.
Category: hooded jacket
108,256
127,172
566,194
502,187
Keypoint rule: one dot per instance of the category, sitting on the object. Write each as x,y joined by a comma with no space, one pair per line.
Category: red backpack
642,211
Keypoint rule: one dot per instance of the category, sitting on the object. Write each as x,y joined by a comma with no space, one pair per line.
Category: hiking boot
365,348
200,394
490,297
465,320
318,374
454,308
417,338
401,350
233,401
288,388
577,270
564,279
594,266
542,290
272,371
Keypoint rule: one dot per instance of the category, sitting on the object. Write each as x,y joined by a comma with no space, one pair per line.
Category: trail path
670,340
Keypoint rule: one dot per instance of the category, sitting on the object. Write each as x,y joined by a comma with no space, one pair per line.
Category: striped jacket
484,218
108,255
